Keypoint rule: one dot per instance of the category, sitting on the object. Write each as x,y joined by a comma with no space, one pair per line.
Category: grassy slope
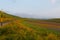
57,20
20,29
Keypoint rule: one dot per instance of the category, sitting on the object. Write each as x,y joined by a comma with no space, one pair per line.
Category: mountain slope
6,15
17,28
57,20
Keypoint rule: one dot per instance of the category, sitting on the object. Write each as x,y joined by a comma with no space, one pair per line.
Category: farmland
18,28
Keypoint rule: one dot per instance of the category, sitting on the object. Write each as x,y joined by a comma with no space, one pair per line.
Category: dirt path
4,23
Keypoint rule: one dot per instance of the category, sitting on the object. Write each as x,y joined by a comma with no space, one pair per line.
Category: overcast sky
32,8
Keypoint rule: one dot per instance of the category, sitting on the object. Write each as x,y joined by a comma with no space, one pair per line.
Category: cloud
53,1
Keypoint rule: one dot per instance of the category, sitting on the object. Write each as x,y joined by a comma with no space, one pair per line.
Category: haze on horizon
32,8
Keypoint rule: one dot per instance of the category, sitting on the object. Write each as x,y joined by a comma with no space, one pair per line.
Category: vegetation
15,28
57,20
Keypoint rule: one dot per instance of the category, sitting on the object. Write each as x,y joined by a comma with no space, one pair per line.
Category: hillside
57,20
18,28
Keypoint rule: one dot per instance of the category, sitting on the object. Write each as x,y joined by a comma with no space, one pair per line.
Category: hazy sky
32,8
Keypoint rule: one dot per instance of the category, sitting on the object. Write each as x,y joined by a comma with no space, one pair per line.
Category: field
17,28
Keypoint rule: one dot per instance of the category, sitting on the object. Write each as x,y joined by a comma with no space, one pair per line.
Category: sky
32,8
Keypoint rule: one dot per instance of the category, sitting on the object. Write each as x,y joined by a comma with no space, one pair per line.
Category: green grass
40,29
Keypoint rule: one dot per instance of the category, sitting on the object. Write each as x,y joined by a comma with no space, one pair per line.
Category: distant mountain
57,20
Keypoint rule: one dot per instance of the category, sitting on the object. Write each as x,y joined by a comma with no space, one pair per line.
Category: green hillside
18,28
57,20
